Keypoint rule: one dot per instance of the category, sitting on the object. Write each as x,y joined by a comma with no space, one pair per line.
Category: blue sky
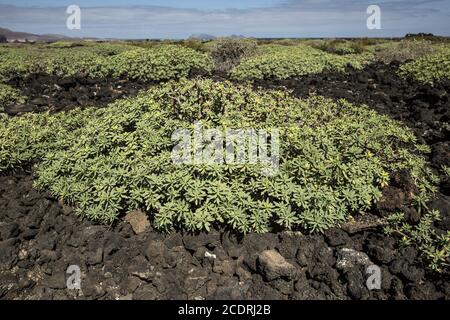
253,18
200,4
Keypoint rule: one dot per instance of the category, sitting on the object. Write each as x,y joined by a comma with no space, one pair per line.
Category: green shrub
403,50
195,44
334,158
102,60
445,171
282,62
66,63
430,68
434,247
65,44
159,63
288,42
228,52
17,61
89,59
340,47
9,95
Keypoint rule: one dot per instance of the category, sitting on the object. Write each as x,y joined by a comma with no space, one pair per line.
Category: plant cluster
282,62
445,170
404,50
9,95
430,68
65,44
102,60
334,158
228,52
340,47
158,63
434,246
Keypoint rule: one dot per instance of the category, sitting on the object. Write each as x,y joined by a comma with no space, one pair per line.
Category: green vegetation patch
102,60
406,49
282,62
434,246
430,68
159,63
9,95
341,47
335,158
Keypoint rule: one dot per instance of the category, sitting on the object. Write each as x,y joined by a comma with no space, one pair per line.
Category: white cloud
302,18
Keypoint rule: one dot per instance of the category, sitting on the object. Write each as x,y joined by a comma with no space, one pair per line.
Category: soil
40,236
55,94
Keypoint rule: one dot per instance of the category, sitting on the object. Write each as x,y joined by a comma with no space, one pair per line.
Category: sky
175,19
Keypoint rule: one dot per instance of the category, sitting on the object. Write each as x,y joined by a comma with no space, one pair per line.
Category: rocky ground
54,94
40,237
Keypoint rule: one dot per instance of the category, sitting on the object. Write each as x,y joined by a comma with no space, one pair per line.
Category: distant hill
202,36
25,36
205,36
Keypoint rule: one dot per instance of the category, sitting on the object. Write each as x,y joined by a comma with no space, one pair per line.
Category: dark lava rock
356,286
8,230
424,291
155,250
380,254
404,269
313,249
8,253
193,242
337,237
393,199
16,109
442,204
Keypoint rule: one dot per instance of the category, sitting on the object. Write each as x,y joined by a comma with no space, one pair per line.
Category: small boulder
16,109
272,265
349,258
138,221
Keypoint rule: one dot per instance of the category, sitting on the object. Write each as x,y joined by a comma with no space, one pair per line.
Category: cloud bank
287,18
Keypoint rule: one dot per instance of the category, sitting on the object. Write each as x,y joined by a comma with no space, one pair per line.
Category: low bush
228,52
195,44
9,95
340,47
334,158
17,61
429,69
282,62
102,60
62,60
403,50
65,44
159,63
434,246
